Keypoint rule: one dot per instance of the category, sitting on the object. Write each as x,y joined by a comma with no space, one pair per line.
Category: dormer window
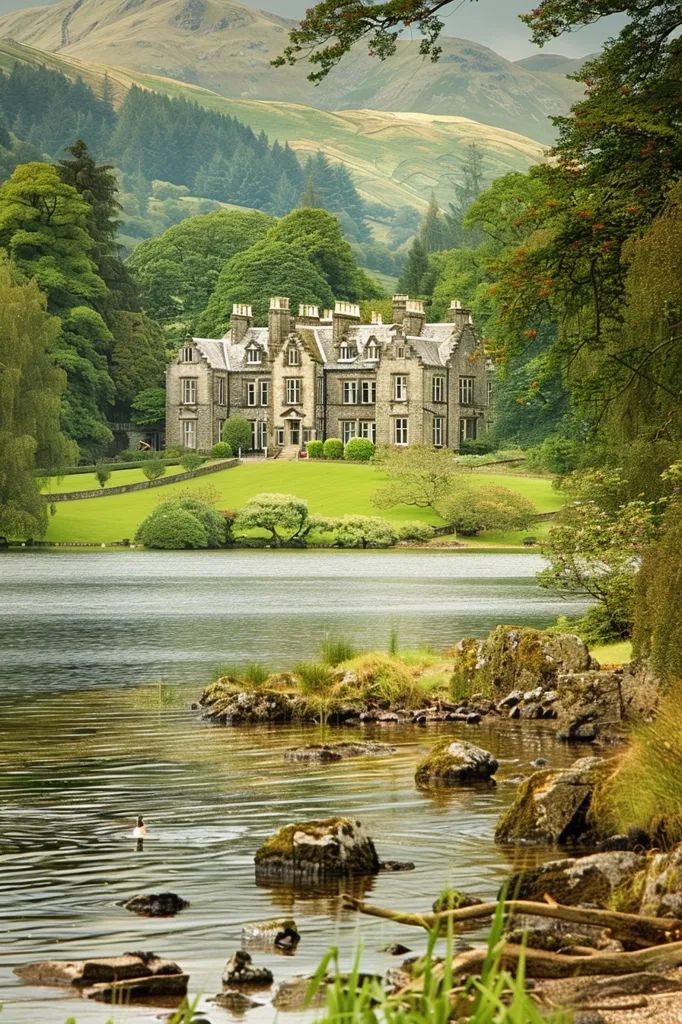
188,354
347,353
372,351
293,357
253,355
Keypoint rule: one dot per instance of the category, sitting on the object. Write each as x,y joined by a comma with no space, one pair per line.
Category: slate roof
433,346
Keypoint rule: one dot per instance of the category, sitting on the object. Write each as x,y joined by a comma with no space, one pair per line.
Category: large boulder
222,704
601,879
455,764
335,847
131,977
590,705
518,658
552,806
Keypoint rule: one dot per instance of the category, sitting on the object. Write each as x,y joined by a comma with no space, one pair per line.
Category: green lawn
88,481
329,489
613,654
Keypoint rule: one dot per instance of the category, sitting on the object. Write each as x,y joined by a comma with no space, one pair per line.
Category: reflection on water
83,756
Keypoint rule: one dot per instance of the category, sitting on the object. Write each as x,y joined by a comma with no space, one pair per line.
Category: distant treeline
154,137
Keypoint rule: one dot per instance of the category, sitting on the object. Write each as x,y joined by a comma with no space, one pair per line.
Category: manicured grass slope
88,481
329,489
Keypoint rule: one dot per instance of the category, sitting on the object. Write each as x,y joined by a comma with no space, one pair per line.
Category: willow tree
31,389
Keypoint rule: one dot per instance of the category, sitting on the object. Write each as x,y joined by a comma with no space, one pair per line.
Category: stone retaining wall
143,485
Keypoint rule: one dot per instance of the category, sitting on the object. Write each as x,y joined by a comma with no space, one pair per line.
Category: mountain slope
227,47
396,158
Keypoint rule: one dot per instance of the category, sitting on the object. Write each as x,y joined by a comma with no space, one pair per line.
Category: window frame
349,430
349,392
264,390
438,389
190,385
401,430
187,354
368,429
251,394
254,351
369,386
437,431
466,390
399,389
293,386
189,427
293,356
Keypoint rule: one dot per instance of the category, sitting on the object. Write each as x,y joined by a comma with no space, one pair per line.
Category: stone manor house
311,377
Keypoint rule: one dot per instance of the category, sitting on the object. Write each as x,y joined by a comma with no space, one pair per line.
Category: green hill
228,47
396,158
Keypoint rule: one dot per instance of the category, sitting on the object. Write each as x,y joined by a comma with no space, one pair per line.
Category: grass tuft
314,677
335,650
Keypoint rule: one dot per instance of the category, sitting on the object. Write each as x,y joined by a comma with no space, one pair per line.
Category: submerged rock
323,753
290,994
601,879
162,904
239,970
279,931
129,977
455,764
318,849
453,899
552,806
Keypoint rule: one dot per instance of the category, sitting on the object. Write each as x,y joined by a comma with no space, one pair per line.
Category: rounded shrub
359,449
172,529
221,450
414,531
153,469
333,448
191,461
315,449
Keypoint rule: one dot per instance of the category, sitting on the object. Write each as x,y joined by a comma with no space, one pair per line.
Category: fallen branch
633,928
541,964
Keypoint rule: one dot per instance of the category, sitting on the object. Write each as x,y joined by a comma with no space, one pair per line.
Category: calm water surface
100,657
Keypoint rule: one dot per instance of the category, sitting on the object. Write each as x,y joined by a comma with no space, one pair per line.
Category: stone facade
311,377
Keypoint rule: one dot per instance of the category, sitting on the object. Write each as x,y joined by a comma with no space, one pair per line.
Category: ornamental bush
237,433
153,469
190,461
221,450
315,449
414,531
171,528
333,448
182,523
359,449
471,511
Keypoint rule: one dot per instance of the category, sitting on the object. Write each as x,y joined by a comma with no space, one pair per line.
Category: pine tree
416,266
432,229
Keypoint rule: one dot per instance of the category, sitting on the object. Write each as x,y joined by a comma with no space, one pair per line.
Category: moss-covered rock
662,885
453,899
601,879
455,764
517,658
225,705
326,753
281,932
553,806
333,847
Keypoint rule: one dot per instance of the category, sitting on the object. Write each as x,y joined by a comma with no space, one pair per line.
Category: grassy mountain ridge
396,158
227,48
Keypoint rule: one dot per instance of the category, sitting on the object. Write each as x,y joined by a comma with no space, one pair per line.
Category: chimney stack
399,304
242,319
327,316
458,315
345,315
377,319
308,315
414,318
279,321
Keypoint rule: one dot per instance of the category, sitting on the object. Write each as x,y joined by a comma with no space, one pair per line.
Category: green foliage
658,595
153,469
471,511
414,531
394,643
645,791
177,271
222,450
102,474
237,433
315,449
359,449
171,528
593,552
268,268
333,448
191,461
419,475
362,532
30,391
148,406
313,677
284,517
317,235
182,523
138,359
335,650
558,455
43,226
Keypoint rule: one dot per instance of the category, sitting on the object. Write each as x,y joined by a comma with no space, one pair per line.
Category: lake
102,655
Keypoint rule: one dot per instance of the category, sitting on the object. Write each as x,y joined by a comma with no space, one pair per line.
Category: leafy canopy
419,475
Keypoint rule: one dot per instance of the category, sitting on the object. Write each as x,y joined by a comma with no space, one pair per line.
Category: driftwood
540,964
634,929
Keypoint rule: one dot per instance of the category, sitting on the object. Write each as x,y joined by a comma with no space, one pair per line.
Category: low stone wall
143,485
